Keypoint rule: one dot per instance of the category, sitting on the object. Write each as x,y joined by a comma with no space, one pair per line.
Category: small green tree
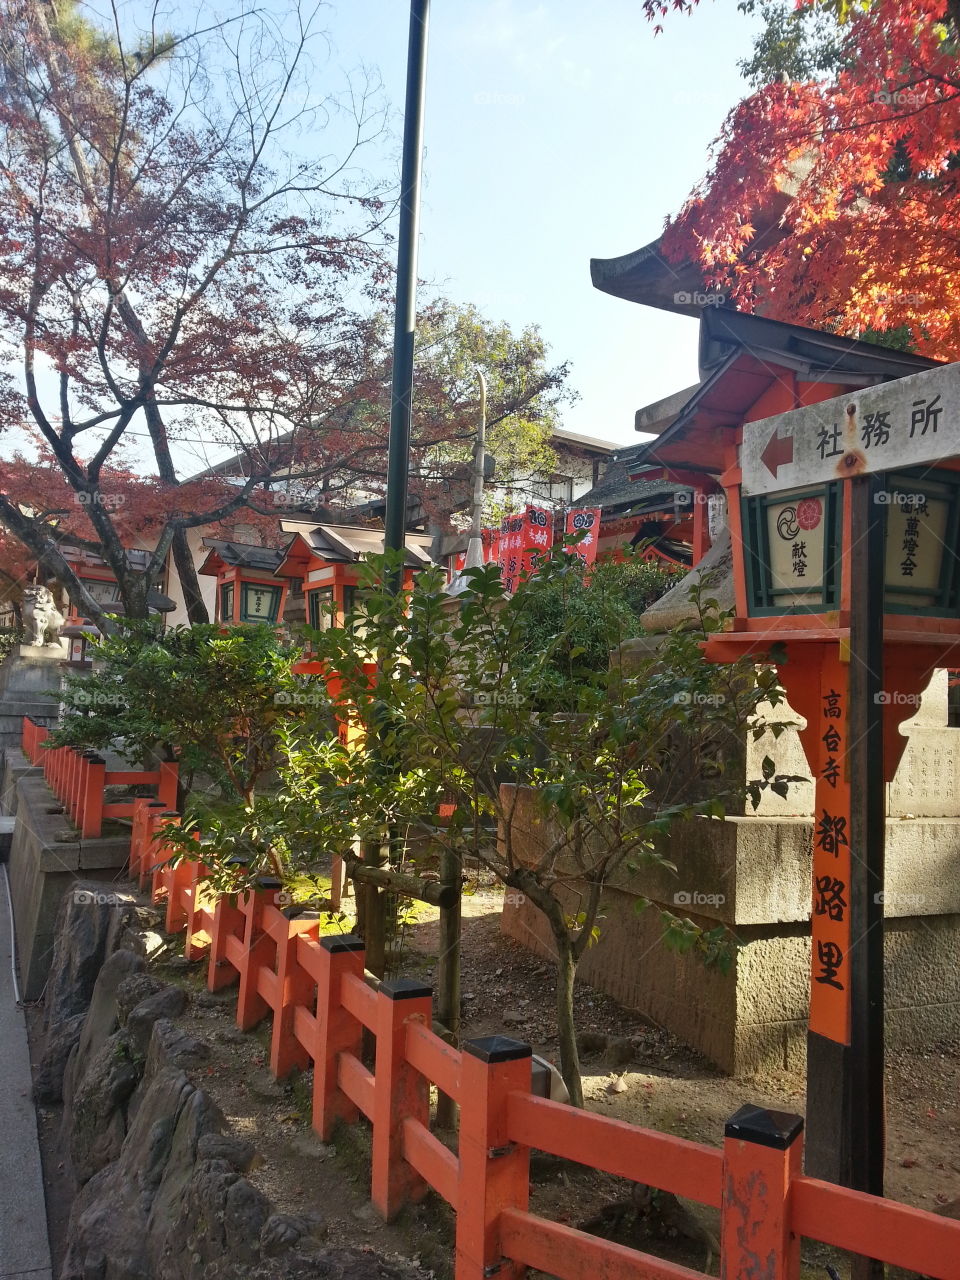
556,785
210,697
574,613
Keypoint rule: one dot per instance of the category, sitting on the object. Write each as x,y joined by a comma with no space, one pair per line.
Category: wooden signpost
845,527
906,423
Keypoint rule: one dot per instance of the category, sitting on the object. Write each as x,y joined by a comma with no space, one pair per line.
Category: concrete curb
24,1249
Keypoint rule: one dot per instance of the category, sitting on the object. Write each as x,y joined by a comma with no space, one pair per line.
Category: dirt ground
506,989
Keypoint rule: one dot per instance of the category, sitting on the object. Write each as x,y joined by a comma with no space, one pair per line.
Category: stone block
15,766
104,852
41,870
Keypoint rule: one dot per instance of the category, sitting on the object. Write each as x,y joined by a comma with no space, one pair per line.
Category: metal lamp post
405,316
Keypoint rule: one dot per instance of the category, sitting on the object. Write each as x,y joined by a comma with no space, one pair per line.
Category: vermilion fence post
401,1093
80,789
57,760
72,782
177,880
76,790
136,836
294,987
157,852
229,921
91,817
339,1031
194,947
762,1154
169,772
260,950
494,1172
149,821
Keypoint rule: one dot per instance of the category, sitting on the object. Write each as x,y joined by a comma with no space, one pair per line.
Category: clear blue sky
557,132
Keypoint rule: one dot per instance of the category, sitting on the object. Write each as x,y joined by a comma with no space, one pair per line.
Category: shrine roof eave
239,555
741,357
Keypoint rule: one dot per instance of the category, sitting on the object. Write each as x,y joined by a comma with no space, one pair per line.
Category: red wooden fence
321,1000
79,780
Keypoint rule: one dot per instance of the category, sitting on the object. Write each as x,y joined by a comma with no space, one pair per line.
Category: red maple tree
172,266
836,202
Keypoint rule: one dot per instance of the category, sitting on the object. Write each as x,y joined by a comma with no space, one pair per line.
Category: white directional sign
905,423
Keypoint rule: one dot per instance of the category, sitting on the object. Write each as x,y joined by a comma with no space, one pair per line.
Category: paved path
24,1252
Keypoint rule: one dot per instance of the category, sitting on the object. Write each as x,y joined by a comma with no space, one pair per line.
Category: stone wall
46,857
753,874
160,1186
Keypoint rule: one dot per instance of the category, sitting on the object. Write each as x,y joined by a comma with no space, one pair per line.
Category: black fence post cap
497,1049
269,883
777,1129
405,989
334,942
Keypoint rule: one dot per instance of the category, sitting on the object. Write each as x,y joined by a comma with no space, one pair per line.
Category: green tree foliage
455,707
211,697
794,44
525,393
577,614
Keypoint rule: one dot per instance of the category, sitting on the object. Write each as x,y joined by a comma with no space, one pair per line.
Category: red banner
523,540
584,520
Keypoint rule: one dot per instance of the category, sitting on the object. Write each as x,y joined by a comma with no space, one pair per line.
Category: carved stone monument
42,619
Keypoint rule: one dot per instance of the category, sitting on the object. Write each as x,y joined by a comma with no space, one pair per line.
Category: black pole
401,404
865,1129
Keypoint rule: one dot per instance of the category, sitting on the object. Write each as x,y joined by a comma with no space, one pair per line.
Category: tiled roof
616,489
245,555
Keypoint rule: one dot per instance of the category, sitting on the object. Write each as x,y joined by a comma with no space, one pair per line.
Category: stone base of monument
29,686
754,876
753,873
47,856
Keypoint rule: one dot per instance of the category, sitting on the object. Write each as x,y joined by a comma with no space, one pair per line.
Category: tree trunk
566,1031
189,582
